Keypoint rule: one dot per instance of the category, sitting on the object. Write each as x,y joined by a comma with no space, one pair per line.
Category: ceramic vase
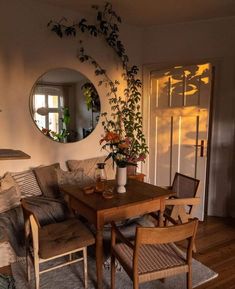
121,179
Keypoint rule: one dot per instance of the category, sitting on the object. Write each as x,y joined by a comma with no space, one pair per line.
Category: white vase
121,179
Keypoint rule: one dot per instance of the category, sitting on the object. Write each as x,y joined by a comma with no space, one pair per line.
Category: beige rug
70,277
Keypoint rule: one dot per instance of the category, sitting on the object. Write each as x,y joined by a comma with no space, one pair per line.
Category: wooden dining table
140,198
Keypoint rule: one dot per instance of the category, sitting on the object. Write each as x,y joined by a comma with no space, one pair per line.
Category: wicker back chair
153,255
179,208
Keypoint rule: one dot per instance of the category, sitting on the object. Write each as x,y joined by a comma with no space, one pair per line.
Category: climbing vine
125,118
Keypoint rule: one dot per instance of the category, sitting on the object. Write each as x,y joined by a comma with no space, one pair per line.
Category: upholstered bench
40,187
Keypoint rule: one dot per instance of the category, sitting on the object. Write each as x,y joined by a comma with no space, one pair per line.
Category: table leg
99,258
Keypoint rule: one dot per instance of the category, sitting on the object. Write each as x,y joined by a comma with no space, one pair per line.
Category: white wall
27,50
196,42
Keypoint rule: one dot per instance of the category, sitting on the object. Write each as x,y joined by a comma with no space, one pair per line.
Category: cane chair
180,207
153,255
55,240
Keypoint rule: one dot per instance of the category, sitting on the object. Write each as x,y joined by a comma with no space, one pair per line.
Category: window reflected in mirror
65,105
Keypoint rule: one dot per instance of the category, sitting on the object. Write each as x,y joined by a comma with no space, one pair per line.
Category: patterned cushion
76,177
89,165
27,183
152,257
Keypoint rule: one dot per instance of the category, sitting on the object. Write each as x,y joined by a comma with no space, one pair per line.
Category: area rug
71,277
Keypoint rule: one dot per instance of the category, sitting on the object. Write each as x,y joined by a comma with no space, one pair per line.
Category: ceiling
156,12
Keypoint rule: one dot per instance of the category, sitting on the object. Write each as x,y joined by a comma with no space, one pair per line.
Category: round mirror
65,105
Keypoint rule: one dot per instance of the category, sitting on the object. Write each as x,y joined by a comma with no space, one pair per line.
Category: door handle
202,147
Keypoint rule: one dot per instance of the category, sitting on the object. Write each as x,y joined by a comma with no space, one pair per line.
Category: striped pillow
27,183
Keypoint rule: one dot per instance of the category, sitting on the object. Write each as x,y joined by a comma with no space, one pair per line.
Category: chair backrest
164,235
160,235
185,186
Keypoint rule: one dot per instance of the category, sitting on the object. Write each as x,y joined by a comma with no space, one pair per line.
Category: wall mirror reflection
65,105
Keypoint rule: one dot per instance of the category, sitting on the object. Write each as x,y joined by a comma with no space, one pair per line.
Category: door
179,122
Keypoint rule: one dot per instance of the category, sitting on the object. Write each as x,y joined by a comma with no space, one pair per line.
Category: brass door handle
202,147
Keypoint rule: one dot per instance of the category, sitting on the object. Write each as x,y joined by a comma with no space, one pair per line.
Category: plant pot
121,179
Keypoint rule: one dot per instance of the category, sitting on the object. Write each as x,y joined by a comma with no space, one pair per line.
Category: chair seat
60,238
154,257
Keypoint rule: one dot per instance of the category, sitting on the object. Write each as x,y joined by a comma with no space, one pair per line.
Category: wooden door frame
146,90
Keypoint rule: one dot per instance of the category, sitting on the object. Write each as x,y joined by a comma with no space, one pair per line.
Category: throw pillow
27,183
76,177
47,180
89,165
9,199
7,182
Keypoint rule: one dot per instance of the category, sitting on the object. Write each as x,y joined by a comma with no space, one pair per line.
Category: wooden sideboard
138,177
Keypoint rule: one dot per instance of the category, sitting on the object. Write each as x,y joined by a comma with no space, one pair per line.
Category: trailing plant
125,118
91,95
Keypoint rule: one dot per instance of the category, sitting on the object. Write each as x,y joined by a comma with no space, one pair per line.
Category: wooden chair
179,208
53,241
153,255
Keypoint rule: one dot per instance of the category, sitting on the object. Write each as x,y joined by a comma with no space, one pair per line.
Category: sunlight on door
179,116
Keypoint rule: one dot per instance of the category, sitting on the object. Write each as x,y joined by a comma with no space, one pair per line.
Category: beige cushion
47,180
89,165
76,177
59,238
152,257
7,182
27,183
9,193
9,199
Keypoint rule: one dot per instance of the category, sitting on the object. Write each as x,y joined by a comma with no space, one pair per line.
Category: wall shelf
9,154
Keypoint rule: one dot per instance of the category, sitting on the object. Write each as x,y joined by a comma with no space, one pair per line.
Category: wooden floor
215,244
215,248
